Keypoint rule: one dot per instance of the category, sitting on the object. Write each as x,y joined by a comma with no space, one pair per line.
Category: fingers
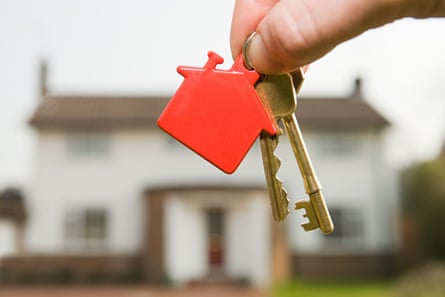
297,32
293,33
246,17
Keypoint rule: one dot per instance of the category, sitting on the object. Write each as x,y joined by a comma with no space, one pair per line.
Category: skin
293,33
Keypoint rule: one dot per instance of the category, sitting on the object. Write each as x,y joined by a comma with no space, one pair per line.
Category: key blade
271,162
309,214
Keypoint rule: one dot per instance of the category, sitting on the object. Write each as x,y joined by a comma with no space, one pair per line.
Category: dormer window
88,144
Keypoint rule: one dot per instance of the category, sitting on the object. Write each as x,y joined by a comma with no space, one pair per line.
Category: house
115,199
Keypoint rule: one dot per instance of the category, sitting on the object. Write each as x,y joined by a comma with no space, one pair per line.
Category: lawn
317,289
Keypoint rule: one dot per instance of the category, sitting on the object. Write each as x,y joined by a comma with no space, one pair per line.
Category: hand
293,33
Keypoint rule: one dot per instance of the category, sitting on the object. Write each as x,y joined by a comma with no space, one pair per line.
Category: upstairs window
338,145
86,229
85,145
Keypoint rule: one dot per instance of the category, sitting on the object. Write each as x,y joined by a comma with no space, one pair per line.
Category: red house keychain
217,113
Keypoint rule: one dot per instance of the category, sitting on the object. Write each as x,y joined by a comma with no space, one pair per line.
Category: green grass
320,289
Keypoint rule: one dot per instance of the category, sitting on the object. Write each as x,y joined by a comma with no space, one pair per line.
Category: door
215,237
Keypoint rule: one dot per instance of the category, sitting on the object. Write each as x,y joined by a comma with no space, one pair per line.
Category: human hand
293,33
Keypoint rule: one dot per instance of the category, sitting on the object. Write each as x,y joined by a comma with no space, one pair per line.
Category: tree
423,197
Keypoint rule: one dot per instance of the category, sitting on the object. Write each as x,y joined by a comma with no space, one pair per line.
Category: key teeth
272,163
309,214
309,226
302,205
280,182
277,165
284,211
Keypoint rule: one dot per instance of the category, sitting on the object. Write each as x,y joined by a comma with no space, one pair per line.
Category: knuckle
291,39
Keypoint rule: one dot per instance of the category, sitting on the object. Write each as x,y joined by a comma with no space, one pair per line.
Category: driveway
195,291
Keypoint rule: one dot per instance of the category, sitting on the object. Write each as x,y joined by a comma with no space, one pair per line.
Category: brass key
269,90
271,162
278,94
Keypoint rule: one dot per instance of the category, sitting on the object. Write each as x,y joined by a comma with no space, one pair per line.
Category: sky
134,47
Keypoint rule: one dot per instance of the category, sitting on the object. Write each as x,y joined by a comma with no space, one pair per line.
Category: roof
97,111
346,112
142,112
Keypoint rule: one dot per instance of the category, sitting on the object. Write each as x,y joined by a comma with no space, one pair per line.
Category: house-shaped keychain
217,113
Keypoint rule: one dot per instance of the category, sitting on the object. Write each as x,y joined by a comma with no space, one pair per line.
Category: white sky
134,46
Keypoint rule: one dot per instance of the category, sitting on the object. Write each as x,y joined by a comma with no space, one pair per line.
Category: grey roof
346,113
77,111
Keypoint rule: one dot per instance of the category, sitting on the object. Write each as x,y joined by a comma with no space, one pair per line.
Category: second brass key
282,103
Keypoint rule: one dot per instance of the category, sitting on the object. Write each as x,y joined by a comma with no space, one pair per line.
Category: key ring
246,45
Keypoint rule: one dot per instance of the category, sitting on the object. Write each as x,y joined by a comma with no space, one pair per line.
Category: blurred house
115,199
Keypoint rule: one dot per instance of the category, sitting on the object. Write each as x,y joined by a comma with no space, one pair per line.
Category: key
271,162
277,93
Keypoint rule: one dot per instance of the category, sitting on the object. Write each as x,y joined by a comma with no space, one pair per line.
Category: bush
428,281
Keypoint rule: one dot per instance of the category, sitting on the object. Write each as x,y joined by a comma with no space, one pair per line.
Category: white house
112,194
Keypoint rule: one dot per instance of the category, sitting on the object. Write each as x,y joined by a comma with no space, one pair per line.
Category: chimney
357,91
43,79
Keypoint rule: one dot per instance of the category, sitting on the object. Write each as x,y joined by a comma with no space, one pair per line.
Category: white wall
146,158
114,182
137,161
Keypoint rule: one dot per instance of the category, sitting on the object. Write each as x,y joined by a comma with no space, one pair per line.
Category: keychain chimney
214,59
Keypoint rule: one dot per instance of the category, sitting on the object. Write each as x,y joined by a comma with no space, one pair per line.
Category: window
348,227
86,229
88,144
338,145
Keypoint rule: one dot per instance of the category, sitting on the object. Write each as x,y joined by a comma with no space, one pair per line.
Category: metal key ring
246,45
